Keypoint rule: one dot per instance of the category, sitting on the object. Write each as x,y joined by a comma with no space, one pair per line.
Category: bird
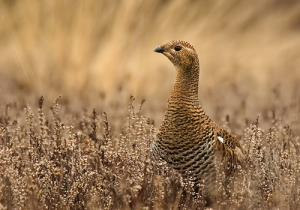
188,140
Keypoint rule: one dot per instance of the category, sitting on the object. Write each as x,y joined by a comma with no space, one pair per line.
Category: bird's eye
177,48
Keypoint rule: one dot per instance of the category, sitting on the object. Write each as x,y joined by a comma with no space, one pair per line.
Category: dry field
83,93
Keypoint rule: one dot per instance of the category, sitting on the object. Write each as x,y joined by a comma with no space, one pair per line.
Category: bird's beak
159,50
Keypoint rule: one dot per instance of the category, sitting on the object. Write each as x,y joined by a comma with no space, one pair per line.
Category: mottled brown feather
188,139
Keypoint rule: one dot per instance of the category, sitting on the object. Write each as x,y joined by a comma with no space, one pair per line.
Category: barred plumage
188,140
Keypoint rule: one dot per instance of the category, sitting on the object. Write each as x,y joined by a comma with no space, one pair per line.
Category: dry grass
90,147
72,46
55,159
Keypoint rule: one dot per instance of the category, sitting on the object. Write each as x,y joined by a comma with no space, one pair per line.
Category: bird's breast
186,143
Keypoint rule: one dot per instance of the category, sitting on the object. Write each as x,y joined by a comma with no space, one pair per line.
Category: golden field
58,153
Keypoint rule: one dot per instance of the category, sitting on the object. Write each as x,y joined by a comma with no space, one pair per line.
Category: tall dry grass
60,154
52,158
73,46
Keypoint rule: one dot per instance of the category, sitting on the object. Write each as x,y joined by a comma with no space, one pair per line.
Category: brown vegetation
55,159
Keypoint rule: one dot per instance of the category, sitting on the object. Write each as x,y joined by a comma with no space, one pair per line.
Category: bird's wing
230,149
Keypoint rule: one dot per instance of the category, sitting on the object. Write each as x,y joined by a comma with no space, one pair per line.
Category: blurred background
89,50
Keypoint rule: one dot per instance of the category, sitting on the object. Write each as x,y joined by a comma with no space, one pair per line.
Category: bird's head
181,53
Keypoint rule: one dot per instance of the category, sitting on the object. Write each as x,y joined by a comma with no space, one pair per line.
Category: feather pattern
188,140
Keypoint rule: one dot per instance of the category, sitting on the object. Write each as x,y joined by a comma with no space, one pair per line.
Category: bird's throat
186,86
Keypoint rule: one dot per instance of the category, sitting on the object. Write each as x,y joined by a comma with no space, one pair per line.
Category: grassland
85,143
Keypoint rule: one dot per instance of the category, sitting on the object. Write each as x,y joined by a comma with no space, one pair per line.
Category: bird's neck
186,86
